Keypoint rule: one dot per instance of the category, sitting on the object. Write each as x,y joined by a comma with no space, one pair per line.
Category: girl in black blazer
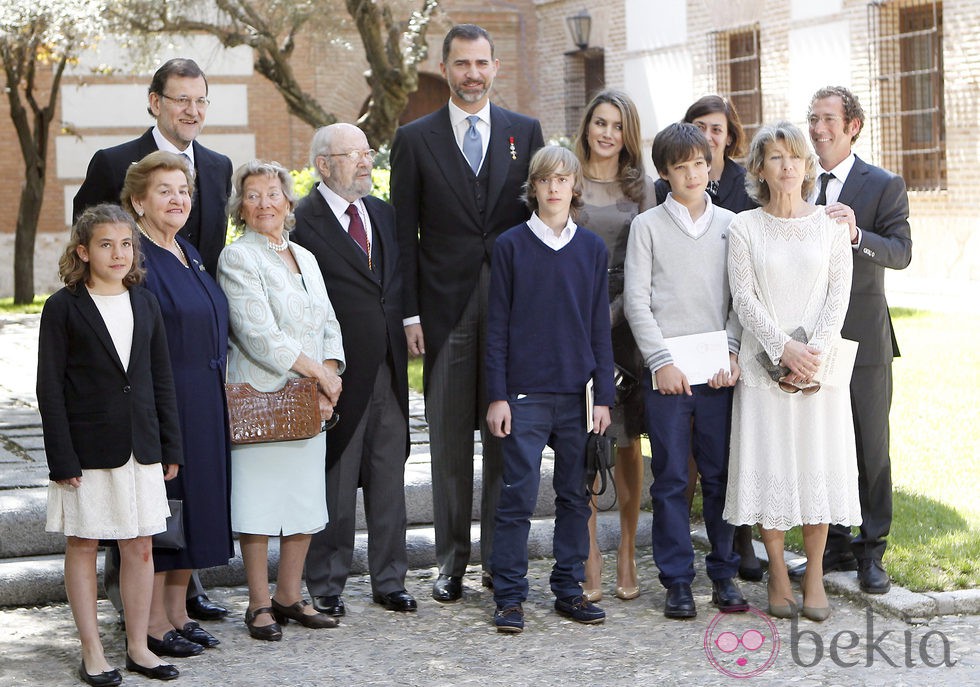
111,435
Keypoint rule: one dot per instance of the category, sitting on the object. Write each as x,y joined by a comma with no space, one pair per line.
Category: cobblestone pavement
455,644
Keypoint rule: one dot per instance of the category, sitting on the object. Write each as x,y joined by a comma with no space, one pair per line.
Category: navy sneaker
580,609
509,619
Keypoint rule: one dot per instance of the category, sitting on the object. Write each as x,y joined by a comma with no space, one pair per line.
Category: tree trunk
28,213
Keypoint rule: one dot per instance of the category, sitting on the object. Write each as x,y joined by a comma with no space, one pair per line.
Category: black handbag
600,458
625,381
172,538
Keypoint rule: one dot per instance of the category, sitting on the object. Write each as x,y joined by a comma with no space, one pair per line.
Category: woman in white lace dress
792,454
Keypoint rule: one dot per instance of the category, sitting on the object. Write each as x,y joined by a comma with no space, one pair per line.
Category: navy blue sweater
548,317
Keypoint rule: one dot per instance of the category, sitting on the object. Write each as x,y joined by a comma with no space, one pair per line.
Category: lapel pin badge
513,151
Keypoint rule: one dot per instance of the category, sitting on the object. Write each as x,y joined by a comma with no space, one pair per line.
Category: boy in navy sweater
547,336
676,284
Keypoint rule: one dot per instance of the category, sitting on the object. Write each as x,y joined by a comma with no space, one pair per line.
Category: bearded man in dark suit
875,205
352,236
456,178
178,100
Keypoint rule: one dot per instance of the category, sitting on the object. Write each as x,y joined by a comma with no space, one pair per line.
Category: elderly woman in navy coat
157,192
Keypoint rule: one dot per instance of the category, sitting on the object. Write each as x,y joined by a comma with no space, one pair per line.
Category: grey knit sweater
677,284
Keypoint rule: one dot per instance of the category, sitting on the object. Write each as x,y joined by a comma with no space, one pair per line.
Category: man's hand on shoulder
843,213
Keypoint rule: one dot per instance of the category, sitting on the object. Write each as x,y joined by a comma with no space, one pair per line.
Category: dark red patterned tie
356,231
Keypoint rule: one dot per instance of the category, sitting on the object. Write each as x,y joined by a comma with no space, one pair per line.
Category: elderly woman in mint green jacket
282,326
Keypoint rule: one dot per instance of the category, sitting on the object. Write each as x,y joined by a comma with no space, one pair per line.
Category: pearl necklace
278,247
182,257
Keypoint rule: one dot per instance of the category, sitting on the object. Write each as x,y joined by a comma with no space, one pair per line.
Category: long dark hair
630,174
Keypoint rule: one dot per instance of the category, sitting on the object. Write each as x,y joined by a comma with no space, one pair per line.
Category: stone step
39,580
23,511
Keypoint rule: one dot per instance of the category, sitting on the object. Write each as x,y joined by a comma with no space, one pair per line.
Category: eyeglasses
253,198
808,389
327,425
183,101
828,120
356,155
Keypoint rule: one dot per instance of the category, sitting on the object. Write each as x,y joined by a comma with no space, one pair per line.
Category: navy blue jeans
669,421
556,420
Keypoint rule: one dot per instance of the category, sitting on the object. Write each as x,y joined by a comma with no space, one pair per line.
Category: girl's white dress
792,456
114,503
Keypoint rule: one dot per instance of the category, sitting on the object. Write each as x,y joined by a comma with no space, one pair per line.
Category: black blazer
442,237
94,413
367,304
206,225
881,208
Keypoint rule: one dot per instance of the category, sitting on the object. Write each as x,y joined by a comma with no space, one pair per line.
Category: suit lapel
499,154
145,145
206,176
380,233
441,141
142,325
325,227
91,314
854,183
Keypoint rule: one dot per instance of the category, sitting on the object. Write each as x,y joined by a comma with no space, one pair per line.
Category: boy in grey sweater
676,285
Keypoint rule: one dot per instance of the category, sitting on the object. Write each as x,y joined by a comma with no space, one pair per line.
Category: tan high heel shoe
815,613
629,593
593,594
787,610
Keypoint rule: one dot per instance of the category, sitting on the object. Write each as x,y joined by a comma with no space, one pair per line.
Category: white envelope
699,356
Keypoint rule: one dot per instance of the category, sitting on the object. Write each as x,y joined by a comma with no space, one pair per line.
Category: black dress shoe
872,577
201,607
330,605
193,632
726,595
270,633
400,601
680,601
447,588
164,671
107,679
833,561
174,645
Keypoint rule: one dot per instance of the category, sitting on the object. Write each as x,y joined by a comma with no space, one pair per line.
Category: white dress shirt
835,186
339,207
693,228
165,145
548,236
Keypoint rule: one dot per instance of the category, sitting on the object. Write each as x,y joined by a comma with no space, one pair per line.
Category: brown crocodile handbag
292,412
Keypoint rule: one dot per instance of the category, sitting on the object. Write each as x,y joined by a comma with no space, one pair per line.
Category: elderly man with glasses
352,235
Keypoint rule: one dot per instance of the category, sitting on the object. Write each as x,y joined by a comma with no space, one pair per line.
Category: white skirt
115,503
280,488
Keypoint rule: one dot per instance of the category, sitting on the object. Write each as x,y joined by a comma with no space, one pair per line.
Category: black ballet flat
164,671
193,632
109,678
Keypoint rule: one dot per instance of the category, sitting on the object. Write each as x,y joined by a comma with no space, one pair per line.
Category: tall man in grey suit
352,236
456,178
874,204
178,101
